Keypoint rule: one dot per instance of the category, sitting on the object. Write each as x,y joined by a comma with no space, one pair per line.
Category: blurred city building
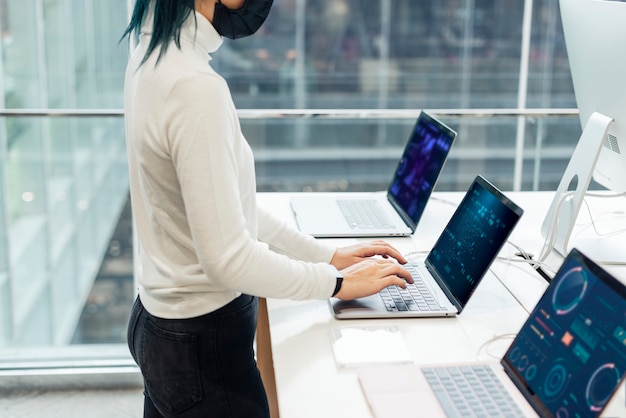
328,92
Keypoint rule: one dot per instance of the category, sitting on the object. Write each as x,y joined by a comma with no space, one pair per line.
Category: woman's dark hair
169,16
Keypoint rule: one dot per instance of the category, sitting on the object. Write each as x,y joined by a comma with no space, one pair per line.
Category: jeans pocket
169,364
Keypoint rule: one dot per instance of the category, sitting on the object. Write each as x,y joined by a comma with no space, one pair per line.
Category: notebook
567,360
378,214
463,253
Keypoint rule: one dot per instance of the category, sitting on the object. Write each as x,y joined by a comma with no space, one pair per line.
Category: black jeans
199,367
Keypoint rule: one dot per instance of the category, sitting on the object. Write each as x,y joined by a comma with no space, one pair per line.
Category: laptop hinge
403,215
444,287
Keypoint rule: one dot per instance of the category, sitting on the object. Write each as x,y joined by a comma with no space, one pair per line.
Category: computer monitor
595,38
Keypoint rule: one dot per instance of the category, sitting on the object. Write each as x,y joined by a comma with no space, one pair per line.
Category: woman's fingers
370,276
391,268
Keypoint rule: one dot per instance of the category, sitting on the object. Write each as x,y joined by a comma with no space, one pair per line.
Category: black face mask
242,22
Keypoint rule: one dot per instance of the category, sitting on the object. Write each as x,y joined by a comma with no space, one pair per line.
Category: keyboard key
470,391
416,296
364,214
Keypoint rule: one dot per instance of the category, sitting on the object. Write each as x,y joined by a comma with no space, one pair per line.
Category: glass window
63,180
65,224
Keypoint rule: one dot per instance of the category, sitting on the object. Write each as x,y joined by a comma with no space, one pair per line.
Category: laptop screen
472,239
419,168
570,355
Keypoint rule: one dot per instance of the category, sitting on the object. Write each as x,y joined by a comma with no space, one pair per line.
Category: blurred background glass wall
327,91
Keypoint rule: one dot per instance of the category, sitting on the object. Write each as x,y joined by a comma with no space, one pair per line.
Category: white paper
360,346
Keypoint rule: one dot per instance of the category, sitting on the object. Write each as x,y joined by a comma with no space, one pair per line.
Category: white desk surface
309,381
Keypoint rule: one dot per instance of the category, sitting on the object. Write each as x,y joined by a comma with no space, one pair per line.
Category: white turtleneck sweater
203,240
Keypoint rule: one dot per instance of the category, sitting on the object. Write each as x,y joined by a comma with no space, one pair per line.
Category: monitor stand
560,220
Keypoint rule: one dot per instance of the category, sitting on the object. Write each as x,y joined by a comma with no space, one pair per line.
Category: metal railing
359,114
311,113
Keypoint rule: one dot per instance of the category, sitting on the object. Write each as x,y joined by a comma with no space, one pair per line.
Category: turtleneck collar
196,30
204,35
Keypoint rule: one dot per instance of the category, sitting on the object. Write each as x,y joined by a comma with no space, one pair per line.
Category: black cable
535,266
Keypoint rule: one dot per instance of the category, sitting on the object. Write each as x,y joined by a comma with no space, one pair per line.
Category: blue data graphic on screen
571,353
420,166
472,239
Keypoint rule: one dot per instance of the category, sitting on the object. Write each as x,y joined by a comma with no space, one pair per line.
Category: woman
207,251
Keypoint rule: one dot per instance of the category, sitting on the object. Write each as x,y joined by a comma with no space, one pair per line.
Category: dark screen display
420,165
472,239
571,353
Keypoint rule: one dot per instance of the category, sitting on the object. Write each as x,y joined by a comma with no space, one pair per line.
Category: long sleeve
212,159
283,238
193,191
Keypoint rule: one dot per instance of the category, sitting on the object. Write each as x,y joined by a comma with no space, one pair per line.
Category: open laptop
462,255
567,360
377,214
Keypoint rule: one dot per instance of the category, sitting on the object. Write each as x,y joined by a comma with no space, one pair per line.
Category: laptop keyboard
364,214
470,391
416,296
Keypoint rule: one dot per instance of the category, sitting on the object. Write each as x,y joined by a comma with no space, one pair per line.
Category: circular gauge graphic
561,413
555,382
601,385
531,372
569,291
523,363
515,353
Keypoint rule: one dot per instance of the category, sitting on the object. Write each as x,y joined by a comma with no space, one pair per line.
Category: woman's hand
370,276
352,254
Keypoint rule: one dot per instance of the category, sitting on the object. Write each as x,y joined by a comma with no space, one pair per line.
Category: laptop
377,214
460,258
567,360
